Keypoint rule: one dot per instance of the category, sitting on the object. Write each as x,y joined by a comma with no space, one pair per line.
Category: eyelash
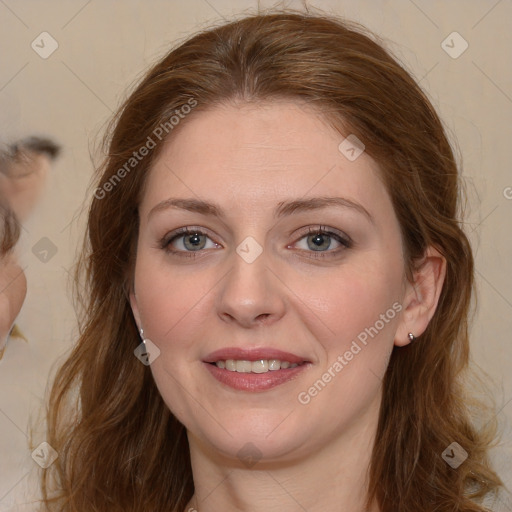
344,240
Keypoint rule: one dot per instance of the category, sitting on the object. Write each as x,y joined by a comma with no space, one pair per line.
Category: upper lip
252,354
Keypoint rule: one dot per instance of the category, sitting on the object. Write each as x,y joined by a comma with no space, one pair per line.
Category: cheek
352,298
173,307
172,304
361,310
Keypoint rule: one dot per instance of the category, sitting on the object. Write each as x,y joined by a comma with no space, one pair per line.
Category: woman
277,218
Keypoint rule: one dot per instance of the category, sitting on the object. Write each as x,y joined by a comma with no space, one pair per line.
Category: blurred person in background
24,171
13,283
24,167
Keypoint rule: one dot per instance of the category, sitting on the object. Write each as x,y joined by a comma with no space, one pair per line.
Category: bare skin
307,295
13,289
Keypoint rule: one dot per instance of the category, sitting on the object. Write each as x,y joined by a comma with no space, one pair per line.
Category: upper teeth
261,366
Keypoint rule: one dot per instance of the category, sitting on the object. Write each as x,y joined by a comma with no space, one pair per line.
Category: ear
135,308
421,296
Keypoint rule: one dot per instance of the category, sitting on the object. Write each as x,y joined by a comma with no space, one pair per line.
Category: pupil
320,241
194,241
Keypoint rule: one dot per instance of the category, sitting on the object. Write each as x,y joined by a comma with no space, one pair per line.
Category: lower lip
255,381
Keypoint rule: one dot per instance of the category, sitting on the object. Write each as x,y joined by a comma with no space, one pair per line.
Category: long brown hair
120,448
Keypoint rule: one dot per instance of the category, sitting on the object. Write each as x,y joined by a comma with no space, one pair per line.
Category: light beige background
105,45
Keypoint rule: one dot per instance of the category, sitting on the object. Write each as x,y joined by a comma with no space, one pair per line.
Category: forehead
259,153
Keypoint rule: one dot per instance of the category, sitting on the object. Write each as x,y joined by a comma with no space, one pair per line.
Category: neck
333,476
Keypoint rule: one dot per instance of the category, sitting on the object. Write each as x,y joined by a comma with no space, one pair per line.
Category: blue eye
319,240
188,240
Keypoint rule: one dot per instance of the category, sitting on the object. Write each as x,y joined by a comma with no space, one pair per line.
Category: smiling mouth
259,366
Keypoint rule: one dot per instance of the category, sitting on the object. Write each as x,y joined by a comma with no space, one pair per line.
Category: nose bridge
250,292
248,279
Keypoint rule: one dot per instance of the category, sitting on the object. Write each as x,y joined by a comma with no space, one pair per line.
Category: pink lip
255,381
254,354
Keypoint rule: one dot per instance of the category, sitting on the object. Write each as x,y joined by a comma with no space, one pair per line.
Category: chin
259,437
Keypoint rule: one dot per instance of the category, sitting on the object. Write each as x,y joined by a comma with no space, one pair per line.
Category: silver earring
141,332
410,335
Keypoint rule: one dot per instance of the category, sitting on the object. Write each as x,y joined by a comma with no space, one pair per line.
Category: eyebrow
283,208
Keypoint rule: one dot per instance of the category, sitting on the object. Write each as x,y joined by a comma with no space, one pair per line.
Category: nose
250,294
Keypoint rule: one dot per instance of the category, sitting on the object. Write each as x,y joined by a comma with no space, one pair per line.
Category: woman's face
293,257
